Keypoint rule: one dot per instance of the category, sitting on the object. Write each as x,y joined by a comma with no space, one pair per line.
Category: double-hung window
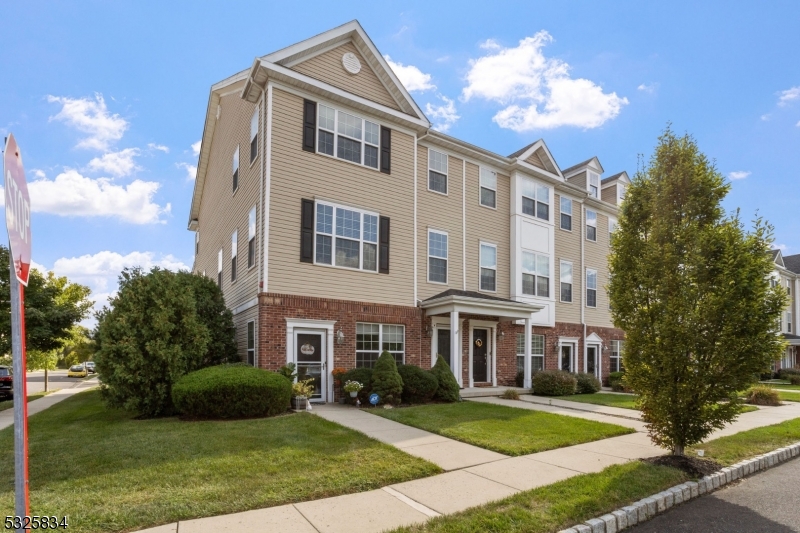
437,171
373,339
347,136
197,243
594,184
591,287
535,199
251,238
219,269
437,256
488,187
788,322
254,136
234,247
236,169
251,343
535,274
566,214
788,286
591,225
346,237
566,281
488,267
620,192
616,355
612,226
537,352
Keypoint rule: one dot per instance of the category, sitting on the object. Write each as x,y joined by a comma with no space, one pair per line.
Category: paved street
58,380
764,503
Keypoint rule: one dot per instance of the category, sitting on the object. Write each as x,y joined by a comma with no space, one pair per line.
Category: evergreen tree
386,380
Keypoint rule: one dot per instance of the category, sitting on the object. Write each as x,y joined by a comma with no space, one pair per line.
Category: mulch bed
694,466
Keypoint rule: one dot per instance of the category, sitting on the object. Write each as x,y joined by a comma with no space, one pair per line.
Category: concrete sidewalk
37,406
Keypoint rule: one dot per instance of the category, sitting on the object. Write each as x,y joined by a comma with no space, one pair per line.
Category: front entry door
480,359
566,357
309,356
591,360
443,345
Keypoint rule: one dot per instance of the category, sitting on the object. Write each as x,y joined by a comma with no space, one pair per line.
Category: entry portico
455,304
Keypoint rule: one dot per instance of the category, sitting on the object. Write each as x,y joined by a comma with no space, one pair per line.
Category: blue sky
106,99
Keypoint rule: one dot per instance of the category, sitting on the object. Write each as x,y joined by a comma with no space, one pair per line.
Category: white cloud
117,164
159,147
766,117
789,95
191,170
798,124
412,78
538,92
71,194
196,148
443,116
39,267
739,174
38,173
91,117
648,88
782,247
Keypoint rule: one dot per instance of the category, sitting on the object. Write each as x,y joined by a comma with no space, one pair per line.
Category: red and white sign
18,210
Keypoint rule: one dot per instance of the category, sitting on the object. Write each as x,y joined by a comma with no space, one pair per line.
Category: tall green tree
689,286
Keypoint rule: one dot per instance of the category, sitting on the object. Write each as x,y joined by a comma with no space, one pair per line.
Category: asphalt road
57,378
764,503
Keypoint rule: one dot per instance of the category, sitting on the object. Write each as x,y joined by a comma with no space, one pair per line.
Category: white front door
310,358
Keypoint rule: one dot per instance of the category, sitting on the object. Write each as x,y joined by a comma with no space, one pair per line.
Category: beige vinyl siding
536,161
297,174
609,194
568,248
240,323
579,180
488,225
596,257
221,210
444,213
328,67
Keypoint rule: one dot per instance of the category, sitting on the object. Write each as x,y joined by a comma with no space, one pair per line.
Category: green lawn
782,386
732,449
560,505
788,396
111,472
8,404
507,430
626,401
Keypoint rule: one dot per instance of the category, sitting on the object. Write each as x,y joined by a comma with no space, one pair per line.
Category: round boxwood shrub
419,385
386,381
615,381
363,376
448,390
761,395
587,383
554,383
231,391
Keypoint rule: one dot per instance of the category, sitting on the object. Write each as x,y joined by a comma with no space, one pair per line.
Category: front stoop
648,508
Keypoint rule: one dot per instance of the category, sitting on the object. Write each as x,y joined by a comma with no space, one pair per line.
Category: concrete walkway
36,406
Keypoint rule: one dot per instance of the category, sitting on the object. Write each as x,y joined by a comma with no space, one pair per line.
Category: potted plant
301,392
353,387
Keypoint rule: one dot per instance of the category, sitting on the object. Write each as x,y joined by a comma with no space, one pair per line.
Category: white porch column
455,346
527,364
494,356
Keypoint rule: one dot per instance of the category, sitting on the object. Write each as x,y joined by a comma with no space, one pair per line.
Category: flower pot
299,403
353,394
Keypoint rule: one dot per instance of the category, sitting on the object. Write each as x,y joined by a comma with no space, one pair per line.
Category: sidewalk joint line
305,517
427,511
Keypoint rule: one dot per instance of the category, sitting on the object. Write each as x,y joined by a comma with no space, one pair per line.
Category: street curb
656,504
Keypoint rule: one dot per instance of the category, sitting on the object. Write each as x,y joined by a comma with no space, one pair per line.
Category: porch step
479,392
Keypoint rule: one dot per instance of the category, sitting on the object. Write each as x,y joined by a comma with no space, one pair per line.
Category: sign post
18,224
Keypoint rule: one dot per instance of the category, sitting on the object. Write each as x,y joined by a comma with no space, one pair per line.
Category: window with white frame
437,171
591,225
616,355
566,214
789,287
488,267
236,169
591,287
612,227
488,187
254,136
437,256
346,237
373,339
537,352
197,243
350,137
251,343
251,238
219,269
535,199
535,274
594,184
566,281
234,249
620,192
788,322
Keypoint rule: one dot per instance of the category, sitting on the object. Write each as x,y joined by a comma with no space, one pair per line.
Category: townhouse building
787,274
339,224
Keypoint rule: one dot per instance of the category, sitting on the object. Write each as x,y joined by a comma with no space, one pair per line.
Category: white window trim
480,267
589,173
550,194
587,288
542,355
380,339
251,237
219,261
428,254
446,175
255,341
333,236
536,274
235,254
336,134
586,230
560,276
561,212
253,136
612,223
480,186
618,357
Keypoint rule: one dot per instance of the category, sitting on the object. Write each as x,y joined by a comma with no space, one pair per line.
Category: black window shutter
307,232
383,253
309,125
386,152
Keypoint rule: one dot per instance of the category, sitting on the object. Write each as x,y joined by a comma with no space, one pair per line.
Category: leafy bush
587,383
794,380
288,371
363,376
160,326
762,395
231,391
448,390
386,381
510,394
554,383
787,373
615,381
419,385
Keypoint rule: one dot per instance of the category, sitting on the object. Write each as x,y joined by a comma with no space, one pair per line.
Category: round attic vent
351,63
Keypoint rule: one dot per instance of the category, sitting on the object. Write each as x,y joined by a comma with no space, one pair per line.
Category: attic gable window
621,189
594,184
347,136
254,136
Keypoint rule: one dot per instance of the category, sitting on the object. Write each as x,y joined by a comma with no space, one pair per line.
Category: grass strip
8,404
734,448
560,505
507,430
625,401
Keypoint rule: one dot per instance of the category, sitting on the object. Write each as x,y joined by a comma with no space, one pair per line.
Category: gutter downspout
583,280
261,192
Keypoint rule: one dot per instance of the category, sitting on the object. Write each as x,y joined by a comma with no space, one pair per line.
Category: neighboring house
787,275
339,224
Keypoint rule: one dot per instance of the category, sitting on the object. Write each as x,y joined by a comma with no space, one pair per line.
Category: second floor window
347,136
566,214
437,256
219,269
234,249
254,136
591,287
488,267
236,169
437,171
591,225
251,238
566,281
488,187
346,237
535,199
535,274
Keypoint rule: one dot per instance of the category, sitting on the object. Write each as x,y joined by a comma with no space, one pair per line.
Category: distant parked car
90,367
6,382
77,371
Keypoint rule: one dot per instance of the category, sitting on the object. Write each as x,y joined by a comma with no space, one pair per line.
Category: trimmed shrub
787,373
615,381
448,390
587,383
761,395
386,381
794,380
554,383
363,376
231,391
419,385
510,394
